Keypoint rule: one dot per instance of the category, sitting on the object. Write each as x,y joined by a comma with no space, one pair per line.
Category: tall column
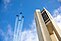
15,30
43,33
55,26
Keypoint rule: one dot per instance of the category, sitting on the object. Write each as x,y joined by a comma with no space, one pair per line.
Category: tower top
37,10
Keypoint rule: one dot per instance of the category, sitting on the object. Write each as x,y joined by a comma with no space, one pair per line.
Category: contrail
18,27
15,30
19,24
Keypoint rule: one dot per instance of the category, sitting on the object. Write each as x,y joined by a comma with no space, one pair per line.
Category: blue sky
10,8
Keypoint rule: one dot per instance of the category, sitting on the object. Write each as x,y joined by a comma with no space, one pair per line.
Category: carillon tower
47,29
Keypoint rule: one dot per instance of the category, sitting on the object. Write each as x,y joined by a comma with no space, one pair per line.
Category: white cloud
57,16
30,35
26,35
6,3
7,36
59,0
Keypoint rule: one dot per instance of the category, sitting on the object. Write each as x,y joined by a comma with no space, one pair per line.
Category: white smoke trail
19,24
16,24
18,28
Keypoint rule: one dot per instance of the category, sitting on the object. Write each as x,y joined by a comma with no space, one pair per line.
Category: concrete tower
47,29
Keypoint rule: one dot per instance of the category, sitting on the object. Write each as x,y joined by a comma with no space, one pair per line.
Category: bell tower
47,29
